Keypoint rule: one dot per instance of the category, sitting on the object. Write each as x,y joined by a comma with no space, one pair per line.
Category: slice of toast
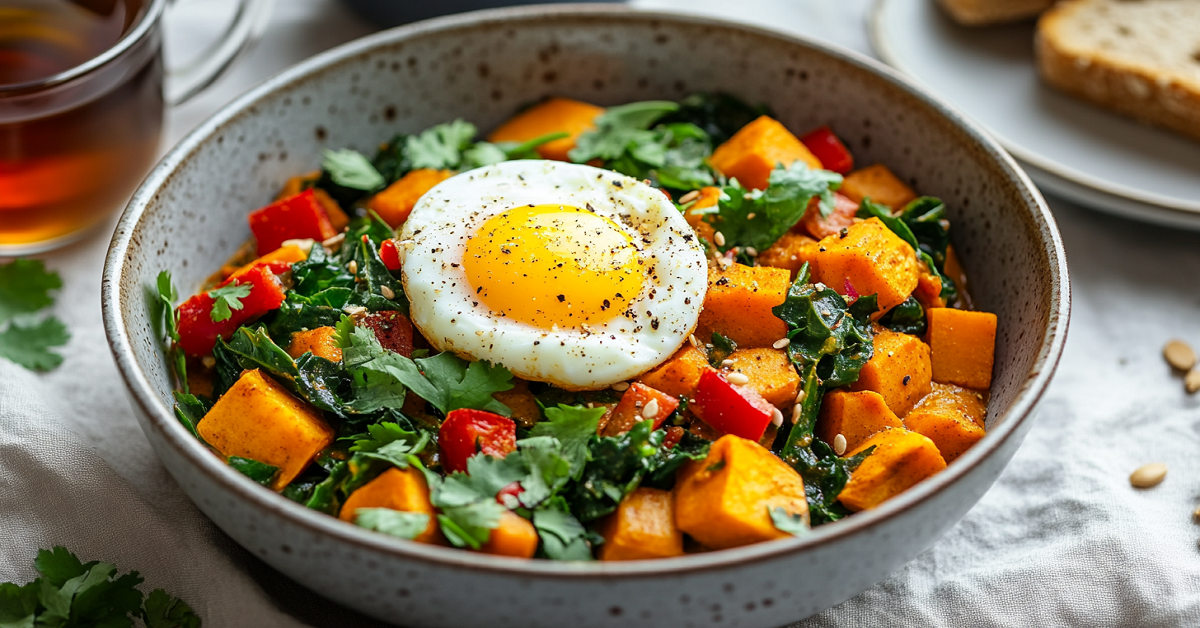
1139,58
985,12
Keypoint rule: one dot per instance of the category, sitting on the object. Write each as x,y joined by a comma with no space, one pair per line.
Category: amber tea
71,152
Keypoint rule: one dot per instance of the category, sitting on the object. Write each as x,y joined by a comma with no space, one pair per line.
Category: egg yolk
553,266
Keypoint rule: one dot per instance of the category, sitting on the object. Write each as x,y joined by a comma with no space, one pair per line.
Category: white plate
1069,147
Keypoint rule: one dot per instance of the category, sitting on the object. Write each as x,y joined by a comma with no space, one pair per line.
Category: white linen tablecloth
1060,540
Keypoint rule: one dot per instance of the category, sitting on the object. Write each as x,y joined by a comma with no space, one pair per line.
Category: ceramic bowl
189,216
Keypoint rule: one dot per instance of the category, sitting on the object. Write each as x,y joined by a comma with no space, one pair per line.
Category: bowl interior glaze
189,215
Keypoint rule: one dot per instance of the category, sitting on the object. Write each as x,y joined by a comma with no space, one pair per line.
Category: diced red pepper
293,218
466,432
674,435
393,330
731,409
818,226
829,150
197,330
513,490
390,254
631,410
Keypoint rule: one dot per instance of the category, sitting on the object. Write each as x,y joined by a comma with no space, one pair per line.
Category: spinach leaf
667,461
189,409
319,272
926,218
323,383
298,313
370,225
906,318
377,289
615,467
254,349
260,472
757,219
719,115
720,349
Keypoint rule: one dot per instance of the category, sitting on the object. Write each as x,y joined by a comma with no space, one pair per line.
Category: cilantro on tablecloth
25,288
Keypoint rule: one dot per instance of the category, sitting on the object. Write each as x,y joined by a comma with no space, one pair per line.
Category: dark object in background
388,13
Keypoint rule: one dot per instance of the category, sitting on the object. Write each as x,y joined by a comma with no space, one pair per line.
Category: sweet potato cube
679,375
725,500
963,346
869,258
770,371
398,489
524,406
708,197
515,536
739,302
878,184
642,527
952,417
899,370
929,287
901,459
791,251
855,415
258,419
397,200
756,149
556,115
632,409
321,342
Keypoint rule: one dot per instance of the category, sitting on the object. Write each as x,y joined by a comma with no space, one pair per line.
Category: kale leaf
615,467
189,409
719,115
906,318
757,219
260,472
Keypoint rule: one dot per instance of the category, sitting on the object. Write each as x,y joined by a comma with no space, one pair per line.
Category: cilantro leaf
451,382
390,443
29,344
573,426
18,605
226,299
25,287
720,115
757,219
260,472
547,469
59,565
618,128
439,147
563,537
164,611
351,169
397,523
165,319
785,521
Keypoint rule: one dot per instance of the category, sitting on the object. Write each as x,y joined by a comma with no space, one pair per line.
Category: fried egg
563,273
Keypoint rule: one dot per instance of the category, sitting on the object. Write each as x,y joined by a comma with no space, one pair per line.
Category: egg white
656,323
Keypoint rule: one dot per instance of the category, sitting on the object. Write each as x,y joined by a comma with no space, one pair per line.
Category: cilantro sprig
73,594
25,290
165,319
758,218
226,299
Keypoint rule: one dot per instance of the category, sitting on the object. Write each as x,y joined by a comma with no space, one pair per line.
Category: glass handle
244,30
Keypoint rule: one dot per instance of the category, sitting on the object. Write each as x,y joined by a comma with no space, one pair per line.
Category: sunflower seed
689,197
651,410
741,379
781,343
839,444
776,417
387,292
719,238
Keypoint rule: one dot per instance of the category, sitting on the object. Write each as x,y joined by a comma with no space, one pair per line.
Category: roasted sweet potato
642,527
867,258
756,149
739,303
556,115
952,417
525,409
397,489
396,202
855,415
632,409
878,184
278,260
725,500
963,345
818,226
515,536
929,287
770,371
901,459
791,251
260,420
679,375
707,197
321,342
899,370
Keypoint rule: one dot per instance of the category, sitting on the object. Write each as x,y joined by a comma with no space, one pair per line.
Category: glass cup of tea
82,94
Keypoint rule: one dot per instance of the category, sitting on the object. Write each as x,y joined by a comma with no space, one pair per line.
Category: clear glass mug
81,116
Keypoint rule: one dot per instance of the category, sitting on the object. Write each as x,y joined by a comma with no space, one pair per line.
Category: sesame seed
208,361
751,251
839,444
797,410
620,386
740,379
719,238
750,216
352,267
781,343
387,292
800,396
727,362
334,241
689,197
651,410
776,417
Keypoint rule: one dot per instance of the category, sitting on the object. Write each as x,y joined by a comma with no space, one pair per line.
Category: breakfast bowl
481,67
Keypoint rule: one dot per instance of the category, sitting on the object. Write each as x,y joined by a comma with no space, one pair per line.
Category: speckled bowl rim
182,443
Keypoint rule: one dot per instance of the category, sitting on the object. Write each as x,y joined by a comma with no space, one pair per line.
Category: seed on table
651,410
1179,355
741,379
839,444
1191,381
1148,475
1196,513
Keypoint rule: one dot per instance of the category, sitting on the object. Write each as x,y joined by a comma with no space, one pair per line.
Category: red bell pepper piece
631,410
466,432
293,218
674,435
393,330
731,409
390,254
198,332
509,493
818,226
829,150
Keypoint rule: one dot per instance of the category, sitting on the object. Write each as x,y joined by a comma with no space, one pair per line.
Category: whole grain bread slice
1140,58
985,12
